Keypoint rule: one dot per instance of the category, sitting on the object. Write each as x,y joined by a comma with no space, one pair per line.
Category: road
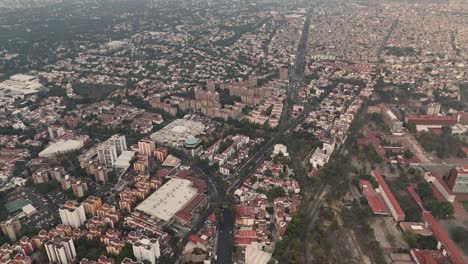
225,234
384,42
215,197
226,238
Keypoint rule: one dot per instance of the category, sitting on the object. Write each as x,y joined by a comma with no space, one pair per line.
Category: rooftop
177,132
169,199
61,146
384,187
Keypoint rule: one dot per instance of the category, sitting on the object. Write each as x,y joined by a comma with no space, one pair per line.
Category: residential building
147,249
72,214
107,154
161,154
146,147
109,151
284,75
40,177
91,205
55,132
119,142
60,250
101,174
11,228
79,188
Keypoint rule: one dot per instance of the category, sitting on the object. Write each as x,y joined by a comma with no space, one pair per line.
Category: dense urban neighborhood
249,132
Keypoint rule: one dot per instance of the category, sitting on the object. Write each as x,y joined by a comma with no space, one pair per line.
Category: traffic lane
225,238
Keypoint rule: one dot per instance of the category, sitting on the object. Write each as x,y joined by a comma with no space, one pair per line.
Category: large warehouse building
169,199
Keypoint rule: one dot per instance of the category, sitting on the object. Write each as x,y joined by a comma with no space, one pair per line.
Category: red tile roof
245,212
374,200
412,191
246,234
400,215
184,216
429,256
442,182
194,203
196,239
432,119
442,237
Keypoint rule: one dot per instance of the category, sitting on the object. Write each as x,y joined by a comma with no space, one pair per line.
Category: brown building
161,154
146,147
91,205
79,188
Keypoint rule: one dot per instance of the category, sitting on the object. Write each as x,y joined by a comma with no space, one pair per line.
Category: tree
446,130
408,154
411,127
127,252
424,191
459,234
440,209
276,192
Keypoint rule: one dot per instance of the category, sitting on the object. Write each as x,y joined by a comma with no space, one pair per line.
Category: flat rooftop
61,146
165,202
175,133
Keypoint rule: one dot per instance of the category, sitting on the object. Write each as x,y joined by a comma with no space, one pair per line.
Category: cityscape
233,132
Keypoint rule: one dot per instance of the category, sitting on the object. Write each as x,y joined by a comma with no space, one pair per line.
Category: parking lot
46,214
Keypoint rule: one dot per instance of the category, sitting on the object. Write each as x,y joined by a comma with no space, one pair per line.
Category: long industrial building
169,199
388,197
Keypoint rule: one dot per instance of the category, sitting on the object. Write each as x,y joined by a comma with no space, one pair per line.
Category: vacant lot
387,233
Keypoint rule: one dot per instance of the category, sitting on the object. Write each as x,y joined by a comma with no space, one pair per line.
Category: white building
322,155
254,255
55,132
107,154
124,160
109,151
147,250
175,133
63,146
72,214
20,86
119,142
280,148
170,198
60,250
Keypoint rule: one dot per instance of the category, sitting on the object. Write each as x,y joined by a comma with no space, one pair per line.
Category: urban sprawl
251,132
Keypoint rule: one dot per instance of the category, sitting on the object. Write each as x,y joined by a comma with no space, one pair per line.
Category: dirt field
387,233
